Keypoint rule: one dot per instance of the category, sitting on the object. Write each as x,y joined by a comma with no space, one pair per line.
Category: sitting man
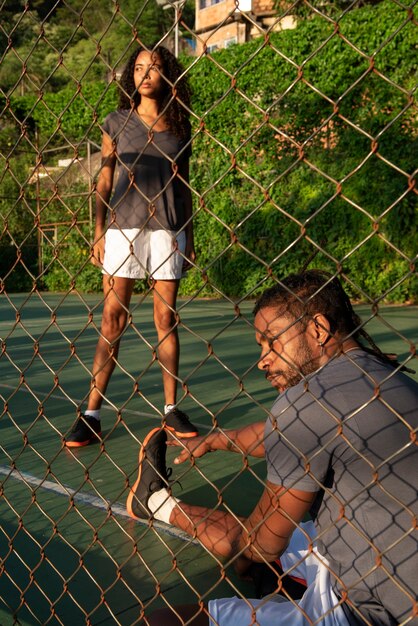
339,445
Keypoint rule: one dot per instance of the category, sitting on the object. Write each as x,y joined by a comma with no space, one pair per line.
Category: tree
55,44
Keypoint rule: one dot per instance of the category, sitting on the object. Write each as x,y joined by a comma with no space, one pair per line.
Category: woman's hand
193,448
97,257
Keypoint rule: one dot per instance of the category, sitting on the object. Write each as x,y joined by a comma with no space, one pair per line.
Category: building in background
221,23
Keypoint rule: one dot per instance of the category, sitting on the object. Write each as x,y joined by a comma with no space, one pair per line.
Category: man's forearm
247,440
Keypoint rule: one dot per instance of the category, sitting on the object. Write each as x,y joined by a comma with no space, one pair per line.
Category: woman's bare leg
165,295
117,297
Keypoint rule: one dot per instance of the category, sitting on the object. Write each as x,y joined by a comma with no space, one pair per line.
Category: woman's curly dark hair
175,102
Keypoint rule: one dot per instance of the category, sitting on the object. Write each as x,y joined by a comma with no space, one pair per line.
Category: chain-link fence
300,132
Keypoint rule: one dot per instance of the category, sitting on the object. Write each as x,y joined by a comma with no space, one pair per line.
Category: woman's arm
103,191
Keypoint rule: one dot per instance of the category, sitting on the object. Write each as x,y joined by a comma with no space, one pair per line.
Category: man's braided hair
301,296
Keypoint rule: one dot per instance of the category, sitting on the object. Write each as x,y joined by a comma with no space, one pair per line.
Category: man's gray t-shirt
147,194
347,432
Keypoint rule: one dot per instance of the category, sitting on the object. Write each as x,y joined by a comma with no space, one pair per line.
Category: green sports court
69,552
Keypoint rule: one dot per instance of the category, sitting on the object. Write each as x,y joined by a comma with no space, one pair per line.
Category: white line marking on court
90,500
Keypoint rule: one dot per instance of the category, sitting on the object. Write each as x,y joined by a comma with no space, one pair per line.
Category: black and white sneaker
85,431
152,474
178,422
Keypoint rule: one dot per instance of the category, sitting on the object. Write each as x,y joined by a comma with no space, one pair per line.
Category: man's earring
321,345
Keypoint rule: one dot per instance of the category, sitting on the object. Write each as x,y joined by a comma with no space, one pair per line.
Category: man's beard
306,365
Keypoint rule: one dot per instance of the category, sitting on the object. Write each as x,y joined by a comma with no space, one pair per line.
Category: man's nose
264,359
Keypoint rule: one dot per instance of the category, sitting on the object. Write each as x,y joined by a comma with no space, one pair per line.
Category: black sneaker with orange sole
152,474
178,423
86,430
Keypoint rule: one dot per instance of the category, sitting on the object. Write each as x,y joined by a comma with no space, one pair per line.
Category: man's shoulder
360,372
345,378
370,368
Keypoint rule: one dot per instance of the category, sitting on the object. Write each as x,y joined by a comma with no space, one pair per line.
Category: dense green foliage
63,43
349,196
303,141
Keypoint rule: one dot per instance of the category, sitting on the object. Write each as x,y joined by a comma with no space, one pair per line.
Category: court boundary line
92,501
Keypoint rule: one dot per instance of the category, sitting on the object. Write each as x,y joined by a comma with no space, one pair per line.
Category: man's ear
321,328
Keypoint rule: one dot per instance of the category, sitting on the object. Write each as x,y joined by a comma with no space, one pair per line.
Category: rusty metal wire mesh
47,234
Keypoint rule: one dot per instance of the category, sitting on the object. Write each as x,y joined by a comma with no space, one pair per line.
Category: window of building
203,4
212,47
230,42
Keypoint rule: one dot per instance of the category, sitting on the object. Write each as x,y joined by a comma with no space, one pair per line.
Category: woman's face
148,72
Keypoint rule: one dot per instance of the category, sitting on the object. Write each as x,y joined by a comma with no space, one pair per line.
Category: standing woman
145,229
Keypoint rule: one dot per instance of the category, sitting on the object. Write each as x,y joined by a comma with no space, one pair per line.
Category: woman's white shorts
135,253
319,604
